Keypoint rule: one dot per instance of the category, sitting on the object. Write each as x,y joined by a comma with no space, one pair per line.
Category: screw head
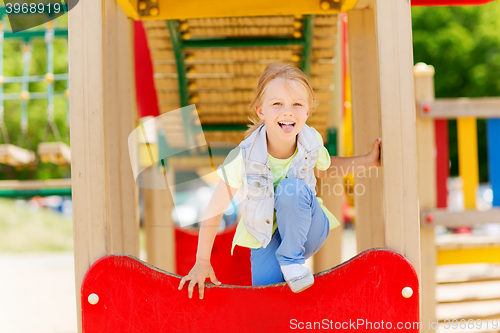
407,292
93,299
325,5
153,11
426,108
429,218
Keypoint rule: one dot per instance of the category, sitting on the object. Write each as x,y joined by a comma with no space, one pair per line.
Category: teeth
287,122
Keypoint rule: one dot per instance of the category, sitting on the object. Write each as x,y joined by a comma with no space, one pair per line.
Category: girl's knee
289,189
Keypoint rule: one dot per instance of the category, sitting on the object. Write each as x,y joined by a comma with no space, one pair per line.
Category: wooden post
159,227
427,192
330,254
102,116
365,93
397,122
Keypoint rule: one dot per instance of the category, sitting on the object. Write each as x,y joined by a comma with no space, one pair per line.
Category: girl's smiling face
284,108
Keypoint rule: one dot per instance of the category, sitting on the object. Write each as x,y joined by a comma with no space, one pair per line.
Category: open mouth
287,126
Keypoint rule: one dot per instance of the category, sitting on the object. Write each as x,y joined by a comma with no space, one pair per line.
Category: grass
24,230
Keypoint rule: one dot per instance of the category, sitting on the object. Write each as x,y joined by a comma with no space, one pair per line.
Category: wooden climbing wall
222,81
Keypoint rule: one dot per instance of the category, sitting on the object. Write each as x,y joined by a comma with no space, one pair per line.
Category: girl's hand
373,157
201,270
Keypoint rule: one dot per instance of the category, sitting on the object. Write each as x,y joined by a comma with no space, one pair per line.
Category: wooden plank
468,167
14,155
121,115
397,118
476,310
55,152
134,296
452,219
95,28
34,184
451,108
87,135
427,196
442,161
472,291
159,228
468,255
370,228
467,273
330,253
493,133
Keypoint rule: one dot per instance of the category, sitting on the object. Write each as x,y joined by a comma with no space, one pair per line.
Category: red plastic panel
449,2
229,269
361,294
442,161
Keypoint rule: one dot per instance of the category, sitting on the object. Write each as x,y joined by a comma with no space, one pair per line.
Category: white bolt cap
93,299
407,292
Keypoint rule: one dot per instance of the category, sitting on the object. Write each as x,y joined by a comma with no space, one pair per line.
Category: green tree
463,45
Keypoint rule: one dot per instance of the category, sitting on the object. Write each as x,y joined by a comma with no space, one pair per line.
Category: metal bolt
325,5
93,299
407,292
153,11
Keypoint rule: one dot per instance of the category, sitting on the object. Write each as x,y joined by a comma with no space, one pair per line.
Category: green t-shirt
279,169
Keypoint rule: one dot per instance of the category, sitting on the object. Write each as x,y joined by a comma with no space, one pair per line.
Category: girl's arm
202,269
343,166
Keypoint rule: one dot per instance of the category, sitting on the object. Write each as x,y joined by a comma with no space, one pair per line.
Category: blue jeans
302,229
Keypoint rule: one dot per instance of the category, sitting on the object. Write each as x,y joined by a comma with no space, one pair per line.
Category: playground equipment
105,195
432,134
273,308
56,152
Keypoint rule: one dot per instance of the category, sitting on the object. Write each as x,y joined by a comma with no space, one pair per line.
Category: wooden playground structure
210,54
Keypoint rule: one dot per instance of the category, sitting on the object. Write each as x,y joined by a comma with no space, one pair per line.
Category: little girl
283,222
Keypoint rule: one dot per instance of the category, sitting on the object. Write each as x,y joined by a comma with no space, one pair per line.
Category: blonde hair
275,71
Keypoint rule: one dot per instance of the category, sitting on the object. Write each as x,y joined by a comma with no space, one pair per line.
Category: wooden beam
468,162
330,254
451,108
121,117
34,184
427,191
54,152
14,155
370,228
172,9
397,121
364,4
449,219
159,227
101,94
469,255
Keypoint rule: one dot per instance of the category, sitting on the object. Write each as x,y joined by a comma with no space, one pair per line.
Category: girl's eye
277,103
298,104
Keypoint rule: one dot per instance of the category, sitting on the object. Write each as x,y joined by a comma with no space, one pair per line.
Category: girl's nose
287,110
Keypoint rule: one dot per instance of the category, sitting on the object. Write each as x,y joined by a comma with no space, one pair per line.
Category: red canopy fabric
147,101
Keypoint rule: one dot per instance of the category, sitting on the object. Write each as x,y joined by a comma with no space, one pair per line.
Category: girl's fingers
214,279
192,283
201,289
183,280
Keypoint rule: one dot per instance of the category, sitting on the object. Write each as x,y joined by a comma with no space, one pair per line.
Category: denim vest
257,206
